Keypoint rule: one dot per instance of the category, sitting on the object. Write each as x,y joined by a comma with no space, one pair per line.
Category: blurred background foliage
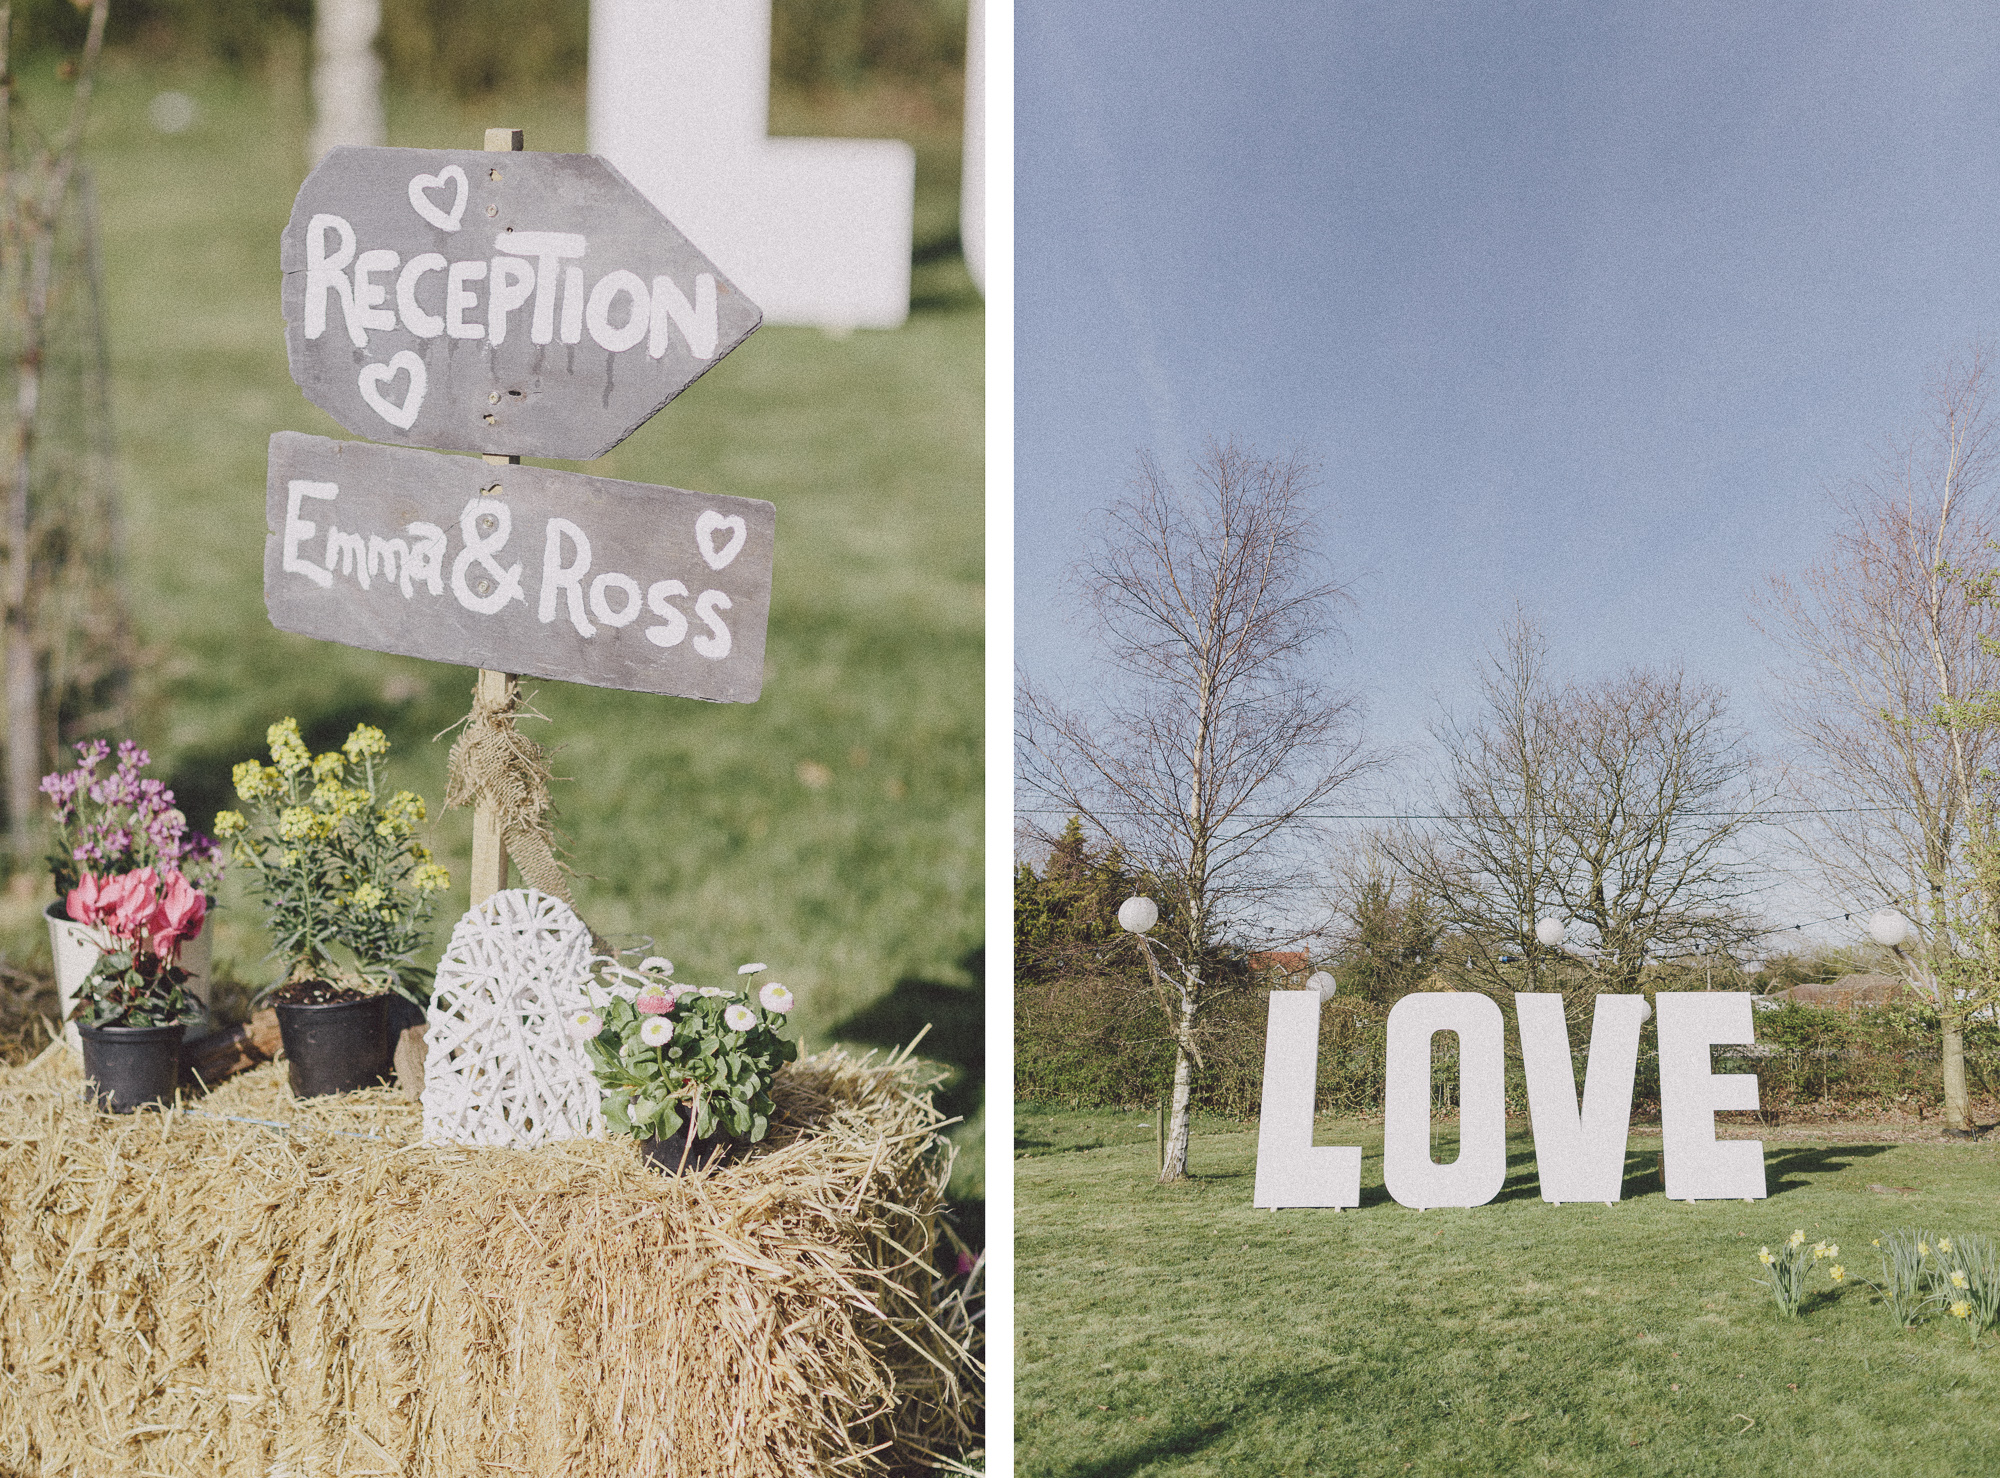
472,48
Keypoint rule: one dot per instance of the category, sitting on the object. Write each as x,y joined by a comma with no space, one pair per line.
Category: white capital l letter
1291,1171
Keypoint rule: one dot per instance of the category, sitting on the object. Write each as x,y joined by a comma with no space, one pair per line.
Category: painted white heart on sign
421,202
403,416
704,535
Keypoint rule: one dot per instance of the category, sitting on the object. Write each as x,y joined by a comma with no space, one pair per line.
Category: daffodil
1944,1244
1839,1273
1764,1256
1958,1280
1961,1309
1797,1238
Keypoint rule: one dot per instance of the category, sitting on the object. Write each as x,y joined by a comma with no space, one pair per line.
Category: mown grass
1175,1330
831,829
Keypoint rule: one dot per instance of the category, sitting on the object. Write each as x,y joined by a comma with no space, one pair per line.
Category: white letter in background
567,578
1291,1171
601,608
1580,1156
458,298
714,647
325,274
390,556
597,312
347,554
481,548
1698,1168
656,601
298,530
425,560
369,296
513,283
423,325
696,320
1476,1176
572,305
547,248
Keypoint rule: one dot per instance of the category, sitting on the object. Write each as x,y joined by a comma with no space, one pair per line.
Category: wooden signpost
507,304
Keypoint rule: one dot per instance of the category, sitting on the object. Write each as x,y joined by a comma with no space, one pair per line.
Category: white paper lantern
1322,982
1550,932
1137,915
500,1066
1888,928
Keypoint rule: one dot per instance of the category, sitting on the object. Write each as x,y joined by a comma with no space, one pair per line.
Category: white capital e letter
1698,1168
298,529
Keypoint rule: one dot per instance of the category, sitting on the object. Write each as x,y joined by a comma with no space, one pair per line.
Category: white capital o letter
1408,1171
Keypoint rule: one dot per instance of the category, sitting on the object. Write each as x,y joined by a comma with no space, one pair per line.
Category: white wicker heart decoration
499,1066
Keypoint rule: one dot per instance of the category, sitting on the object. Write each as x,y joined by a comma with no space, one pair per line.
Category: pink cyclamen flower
653,1000
177,917
83,903
131,909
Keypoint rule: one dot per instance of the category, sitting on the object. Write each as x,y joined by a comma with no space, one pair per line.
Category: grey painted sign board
514,304
518,569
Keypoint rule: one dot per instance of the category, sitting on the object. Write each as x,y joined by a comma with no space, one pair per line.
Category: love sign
518,569
509,303
1579,1145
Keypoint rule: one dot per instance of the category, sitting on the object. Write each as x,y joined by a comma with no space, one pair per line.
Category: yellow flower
288,750
1818,1251
230,823
1833,1249
327,766
1923,1249
366,896
1958,1280
430,878
1797,1238
1960,1309
1876,1243
1839,1272
1764,1256
328,794
405,805
364,741
1944,1244
303,824
250,780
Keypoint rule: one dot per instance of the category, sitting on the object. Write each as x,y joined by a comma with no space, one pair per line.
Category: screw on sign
524,305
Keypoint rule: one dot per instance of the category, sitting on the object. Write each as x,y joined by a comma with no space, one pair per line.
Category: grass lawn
1175,1330
832,829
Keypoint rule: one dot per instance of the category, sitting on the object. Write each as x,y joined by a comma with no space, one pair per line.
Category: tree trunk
1175,1166
1957,1102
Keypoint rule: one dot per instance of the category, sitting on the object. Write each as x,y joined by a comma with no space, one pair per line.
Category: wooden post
489,847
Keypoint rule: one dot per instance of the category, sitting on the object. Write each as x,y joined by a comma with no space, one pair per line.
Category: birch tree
1213,612
1890,638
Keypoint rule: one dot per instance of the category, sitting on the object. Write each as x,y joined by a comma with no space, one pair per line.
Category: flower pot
130,1067
337,1047
75,948
691,1149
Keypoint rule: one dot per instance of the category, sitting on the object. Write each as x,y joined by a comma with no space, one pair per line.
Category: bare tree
1888,635
1213,609
1614,806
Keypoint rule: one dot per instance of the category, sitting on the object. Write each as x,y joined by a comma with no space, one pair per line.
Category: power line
1406,816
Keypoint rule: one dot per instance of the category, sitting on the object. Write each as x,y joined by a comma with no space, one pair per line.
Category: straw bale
190,1292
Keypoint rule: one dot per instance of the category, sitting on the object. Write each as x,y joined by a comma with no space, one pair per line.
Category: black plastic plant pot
131,1067
689,1150
336,1048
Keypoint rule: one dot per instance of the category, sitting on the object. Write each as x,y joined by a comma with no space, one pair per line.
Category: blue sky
1580,306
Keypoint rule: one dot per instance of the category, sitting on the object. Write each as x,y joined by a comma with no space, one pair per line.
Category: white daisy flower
714,990
657,965
656,1031
583,1025
739,1018
751,969
775,998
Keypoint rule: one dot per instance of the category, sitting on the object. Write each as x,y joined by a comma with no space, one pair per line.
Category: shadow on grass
1289,1393
1784,1170
956,1016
